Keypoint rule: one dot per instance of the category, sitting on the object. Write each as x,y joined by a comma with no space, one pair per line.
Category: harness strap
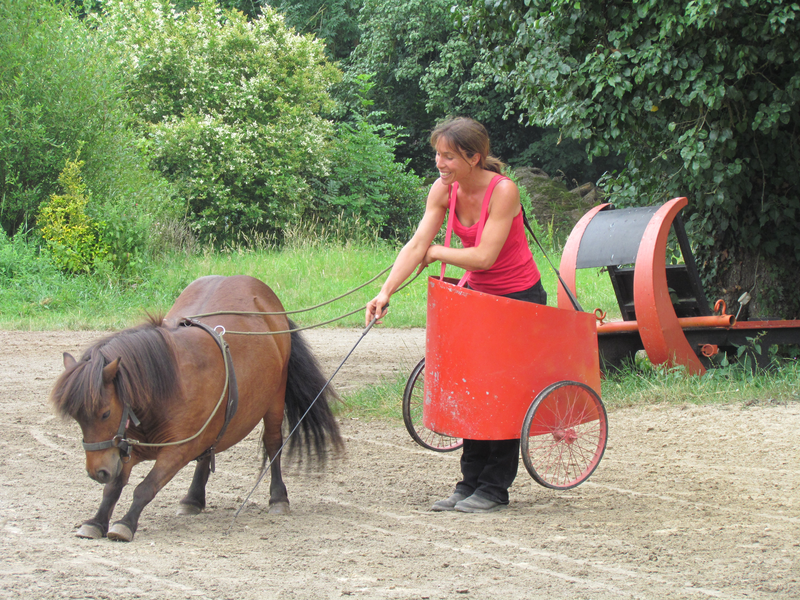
233,389
571,296
118,440
449,230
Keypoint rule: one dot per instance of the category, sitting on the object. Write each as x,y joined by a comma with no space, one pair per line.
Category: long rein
218,332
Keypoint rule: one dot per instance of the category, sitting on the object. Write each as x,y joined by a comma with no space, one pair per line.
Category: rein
124,444
269,461
289,312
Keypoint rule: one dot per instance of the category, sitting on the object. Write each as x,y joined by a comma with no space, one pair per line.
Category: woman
487,211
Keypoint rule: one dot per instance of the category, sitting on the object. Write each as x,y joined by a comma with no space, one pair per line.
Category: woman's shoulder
439,193
505,185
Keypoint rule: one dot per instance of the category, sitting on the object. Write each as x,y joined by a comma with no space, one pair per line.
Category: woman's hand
377,307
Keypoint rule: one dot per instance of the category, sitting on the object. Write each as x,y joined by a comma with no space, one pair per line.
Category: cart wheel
564,435
413,397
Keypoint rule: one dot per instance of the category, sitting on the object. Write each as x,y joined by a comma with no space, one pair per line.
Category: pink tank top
514,270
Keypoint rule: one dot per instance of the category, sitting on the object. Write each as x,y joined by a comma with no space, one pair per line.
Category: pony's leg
97,526
278,496
168,463
195,500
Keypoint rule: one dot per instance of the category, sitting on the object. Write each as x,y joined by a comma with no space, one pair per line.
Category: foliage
425,70
645,384
701,97
71,235
231,110
250,8
116,237
334,21
60,94
398,41
19,258
365,180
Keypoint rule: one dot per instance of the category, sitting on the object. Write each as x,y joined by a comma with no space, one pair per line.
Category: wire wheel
413,398
564,435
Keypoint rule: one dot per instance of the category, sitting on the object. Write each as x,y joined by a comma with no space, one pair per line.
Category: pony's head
86,392
115,380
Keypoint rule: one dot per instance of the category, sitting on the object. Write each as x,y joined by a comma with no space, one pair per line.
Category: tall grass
644,384
36,296
639,385
305,273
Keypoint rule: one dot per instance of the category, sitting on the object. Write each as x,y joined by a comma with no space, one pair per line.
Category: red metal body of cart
497,368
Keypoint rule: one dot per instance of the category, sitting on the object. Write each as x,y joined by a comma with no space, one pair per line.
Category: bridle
124,444
119,440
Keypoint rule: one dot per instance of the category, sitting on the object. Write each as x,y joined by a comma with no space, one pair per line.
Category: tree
231,110
426,70
60,96
334,21
235,113
702,97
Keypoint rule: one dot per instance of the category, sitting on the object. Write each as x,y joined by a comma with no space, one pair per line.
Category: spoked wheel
564,435
413,397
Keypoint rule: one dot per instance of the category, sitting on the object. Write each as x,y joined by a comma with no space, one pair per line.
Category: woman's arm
413,253
503,207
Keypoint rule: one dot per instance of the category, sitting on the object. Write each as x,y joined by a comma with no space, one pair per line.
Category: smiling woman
483,208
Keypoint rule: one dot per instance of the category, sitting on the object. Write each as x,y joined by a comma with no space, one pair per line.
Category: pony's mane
147,372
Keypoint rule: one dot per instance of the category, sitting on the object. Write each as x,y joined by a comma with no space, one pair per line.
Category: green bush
231,110
19,257
60,94
71,235
365,181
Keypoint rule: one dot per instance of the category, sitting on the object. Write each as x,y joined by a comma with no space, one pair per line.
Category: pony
188,386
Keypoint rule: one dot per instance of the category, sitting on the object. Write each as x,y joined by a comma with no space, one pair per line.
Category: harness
124,444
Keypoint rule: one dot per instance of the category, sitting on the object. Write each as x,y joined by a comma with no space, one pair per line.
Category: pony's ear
110,371
69,361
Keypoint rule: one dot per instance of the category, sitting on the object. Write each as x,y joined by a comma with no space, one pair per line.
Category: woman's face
451,163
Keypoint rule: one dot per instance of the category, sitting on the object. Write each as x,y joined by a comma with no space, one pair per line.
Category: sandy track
690,502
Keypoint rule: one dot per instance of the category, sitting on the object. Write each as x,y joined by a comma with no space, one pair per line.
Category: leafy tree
233,113
250,8
334,21
365,181
60,95
426,70
399,40
702,97
231,109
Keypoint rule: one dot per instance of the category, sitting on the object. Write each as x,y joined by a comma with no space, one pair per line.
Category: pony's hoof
189,510
120,532
89,532
279,508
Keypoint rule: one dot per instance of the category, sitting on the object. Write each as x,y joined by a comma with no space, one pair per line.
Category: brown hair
469,138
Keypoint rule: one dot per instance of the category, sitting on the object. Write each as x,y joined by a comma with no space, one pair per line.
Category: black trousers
489,467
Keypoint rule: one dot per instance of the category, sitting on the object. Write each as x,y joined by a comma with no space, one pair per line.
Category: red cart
497,368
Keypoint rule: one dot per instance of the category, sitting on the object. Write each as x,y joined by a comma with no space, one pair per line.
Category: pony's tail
318,429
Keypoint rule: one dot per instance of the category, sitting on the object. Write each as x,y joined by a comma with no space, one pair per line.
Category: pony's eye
106,415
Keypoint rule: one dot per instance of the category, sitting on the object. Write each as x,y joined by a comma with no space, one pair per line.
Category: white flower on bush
233,107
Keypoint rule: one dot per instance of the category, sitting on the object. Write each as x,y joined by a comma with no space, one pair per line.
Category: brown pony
146,392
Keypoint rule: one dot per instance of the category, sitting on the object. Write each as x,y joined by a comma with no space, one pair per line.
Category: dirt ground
688,502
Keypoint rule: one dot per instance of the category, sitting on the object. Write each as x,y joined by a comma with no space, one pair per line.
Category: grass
644,384
307,273
380,402
302,276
